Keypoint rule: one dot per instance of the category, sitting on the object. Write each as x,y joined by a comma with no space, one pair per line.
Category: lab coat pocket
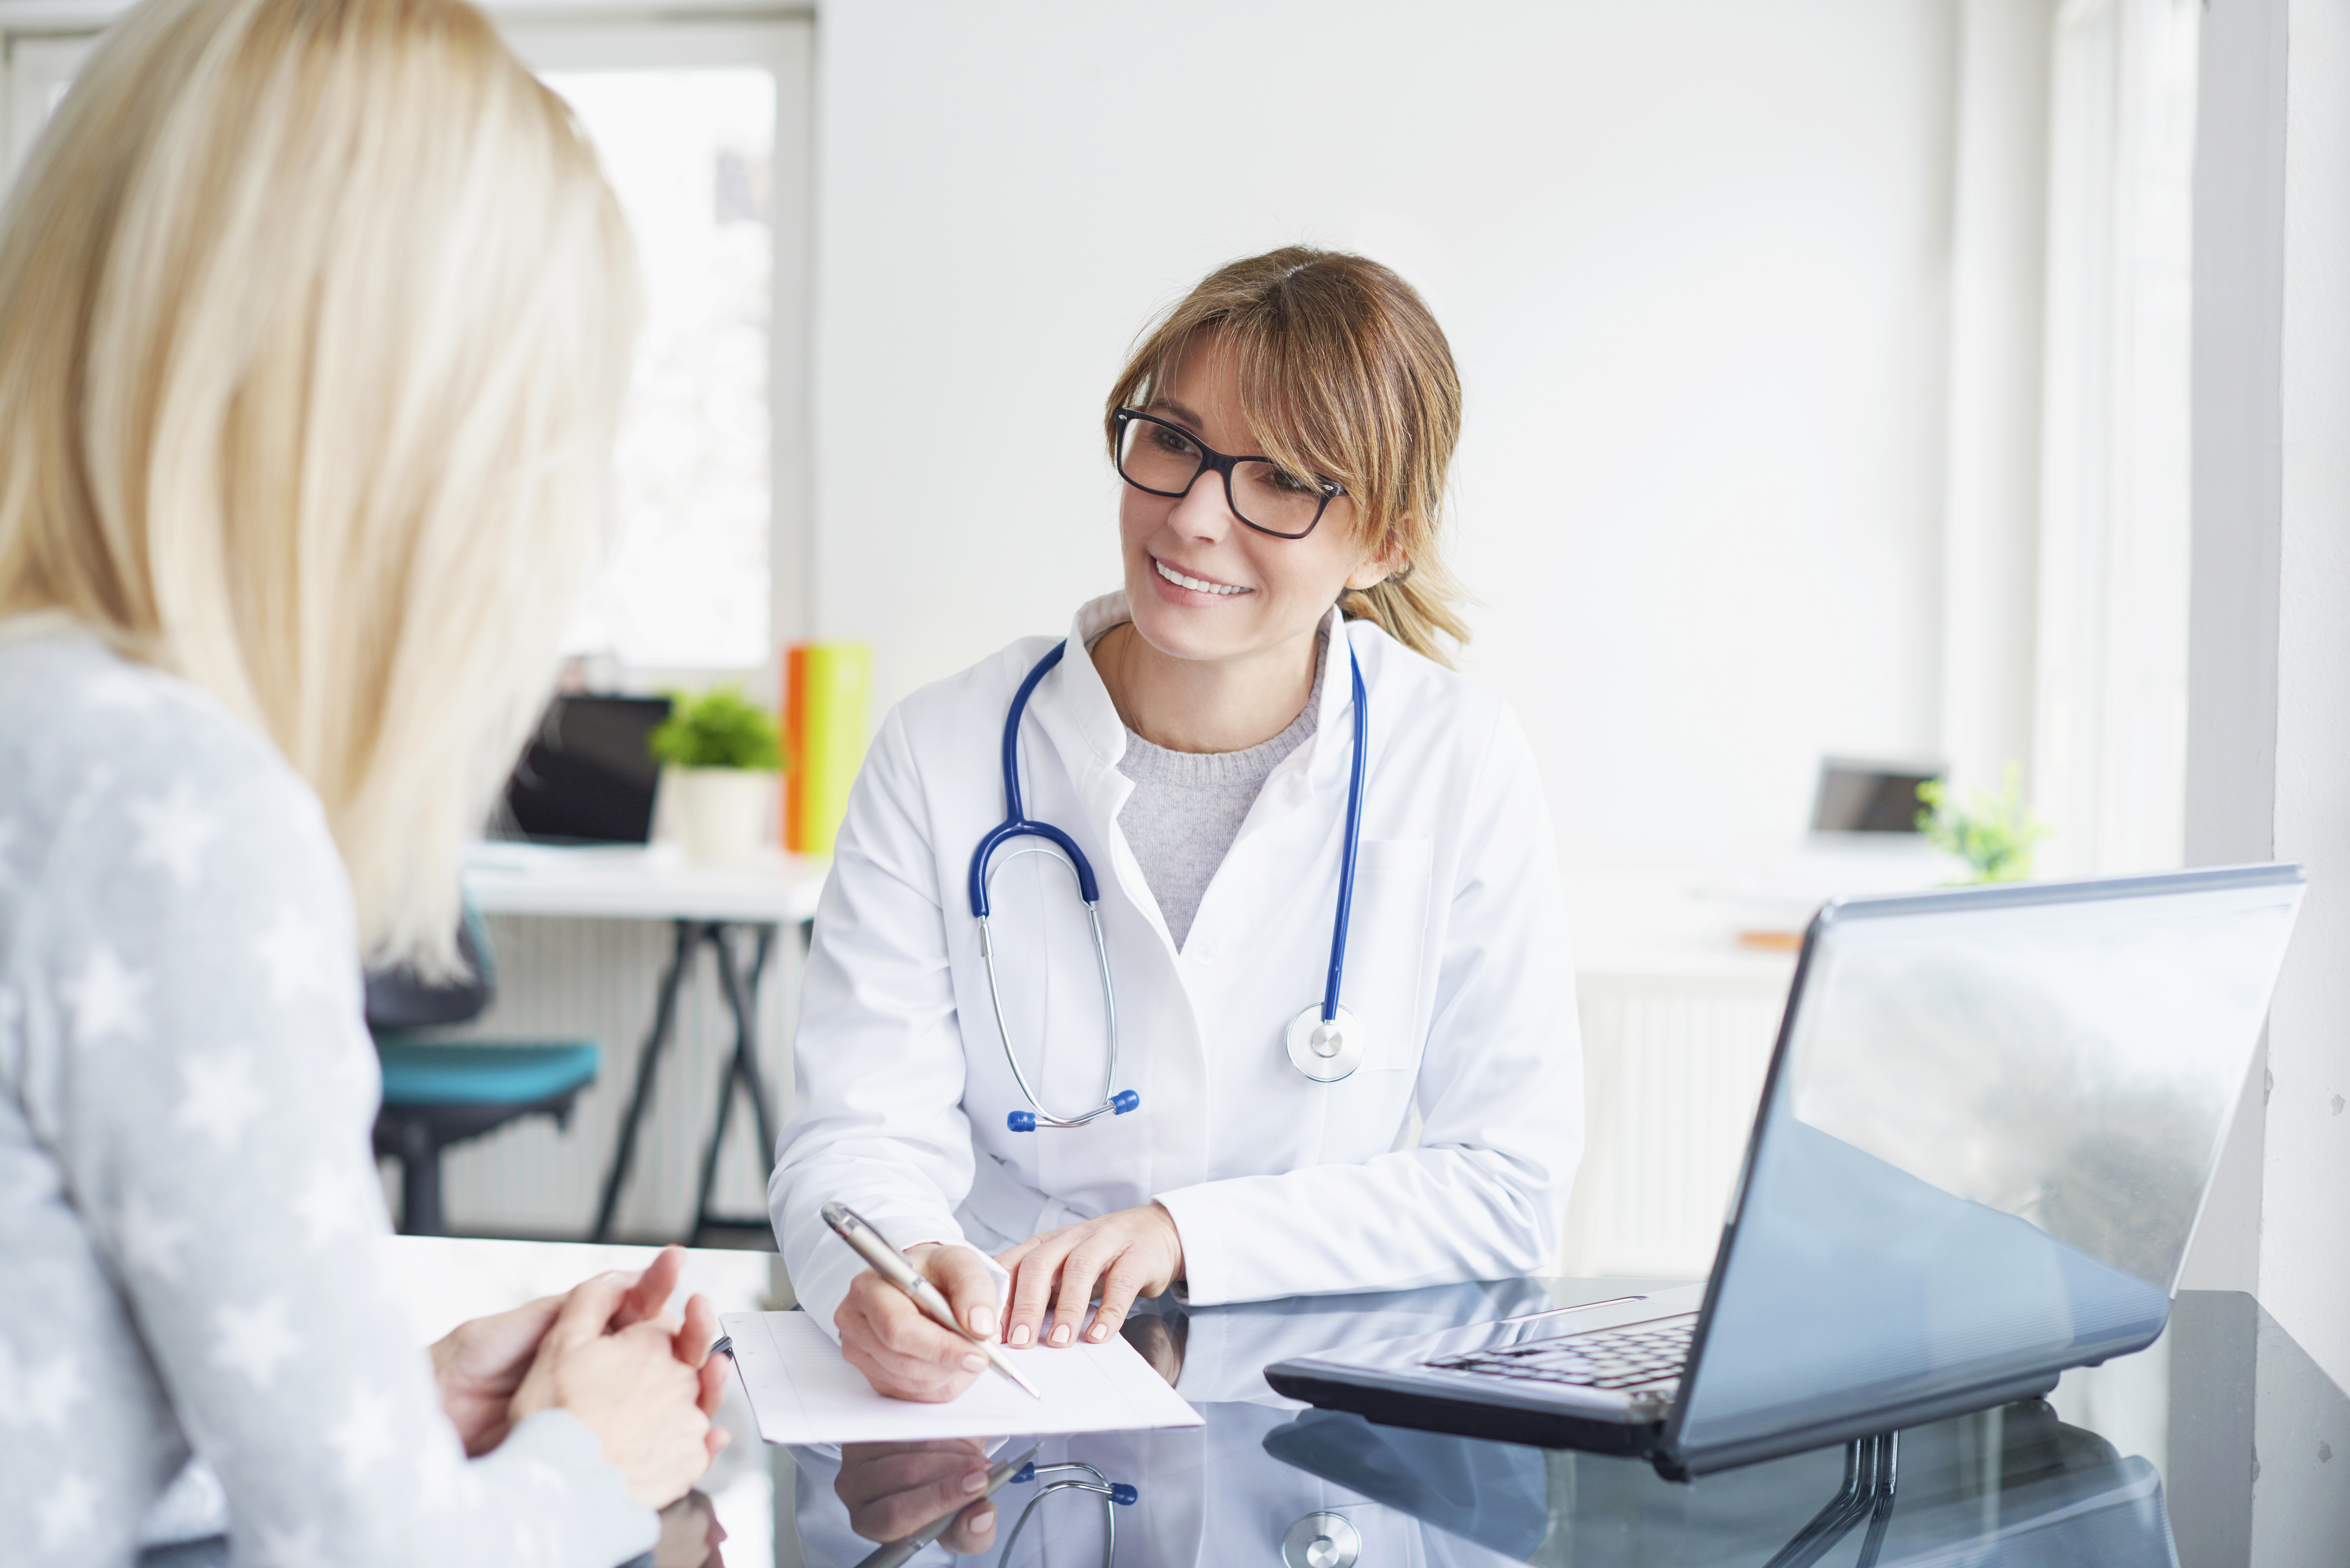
1386,943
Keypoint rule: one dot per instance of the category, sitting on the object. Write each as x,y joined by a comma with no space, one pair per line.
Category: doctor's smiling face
1204,585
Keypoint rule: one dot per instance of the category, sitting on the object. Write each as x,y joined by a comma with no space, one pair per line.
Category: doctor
1212,779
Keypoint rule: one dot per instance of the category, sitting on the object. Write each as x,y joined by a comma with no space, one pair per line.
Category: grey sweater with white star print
190,1220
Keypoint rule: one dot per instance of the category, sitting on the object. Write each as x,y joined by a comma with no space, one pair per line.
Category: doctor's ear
1389,565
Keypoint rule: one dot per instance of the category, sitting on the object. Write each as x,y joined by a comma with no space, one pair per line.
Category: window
703,130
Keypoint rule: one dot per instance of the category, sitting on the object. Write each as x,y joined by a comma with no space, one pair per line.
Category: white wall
2269,751
1692,255
2304,1277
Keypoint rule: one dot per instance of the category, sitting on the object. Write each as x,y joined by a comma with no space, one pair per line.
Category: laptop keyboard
1634,1357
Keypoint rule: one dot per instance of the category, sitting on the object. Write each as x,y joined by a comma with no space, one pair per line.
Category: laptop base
1460,1417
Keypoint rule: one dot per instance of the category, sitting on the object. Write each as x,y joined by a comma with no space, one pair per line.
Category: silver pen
899,1552
891,1265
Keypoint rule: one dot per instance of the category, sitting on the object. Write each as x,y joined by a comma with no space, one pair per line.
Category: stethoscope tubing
1017,824
1354,838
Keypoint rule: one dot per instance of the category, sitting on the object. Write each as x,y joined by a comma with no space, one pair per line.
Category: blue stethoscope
1323,1041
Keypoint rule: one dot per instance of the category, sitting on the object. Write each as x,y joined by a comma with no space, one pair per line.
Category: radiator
596,980
1672,1071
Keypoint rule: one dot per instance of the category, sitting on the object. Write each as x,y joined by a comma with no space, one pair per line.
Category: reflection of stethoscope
1324,1040
1320,1539
1079,1478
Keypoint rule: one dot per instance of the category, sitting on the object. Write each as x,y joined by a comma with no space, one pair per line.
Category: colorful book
827,690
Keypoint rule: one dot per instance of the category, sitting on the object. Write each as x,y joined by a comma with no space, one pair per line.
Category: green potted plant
719,754
1994,833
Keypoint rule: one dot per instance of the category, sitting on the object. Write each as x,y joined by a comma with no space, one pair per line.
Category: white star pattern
107,998
338,1201
437,1464
173,833
363,1440
255,1342
45,1397
297,1548
68,1511
221,1095
119,689
294,953
150,1243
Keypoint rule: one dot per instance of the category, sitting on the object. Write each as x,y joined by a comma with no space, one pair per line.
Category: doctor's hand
902,1351
1135,1251
892,1489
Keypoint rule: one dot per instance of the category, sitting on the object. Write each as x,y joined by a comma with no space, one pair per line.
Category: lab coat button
1204,951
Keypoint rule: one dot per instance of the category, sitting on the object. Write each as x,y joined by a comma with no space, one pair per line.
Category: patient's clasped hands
641,1379
1133,1252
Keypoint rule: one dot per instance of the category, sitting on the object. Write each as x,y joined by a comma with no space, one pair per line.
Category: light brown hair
314,316
1344,374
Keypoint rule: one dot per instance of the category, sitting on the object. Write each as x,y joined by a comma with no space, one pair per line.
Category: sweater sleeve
206,1089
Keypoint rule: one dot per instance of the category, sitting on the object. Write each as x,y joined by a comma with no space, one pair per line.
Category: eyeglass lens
1164,459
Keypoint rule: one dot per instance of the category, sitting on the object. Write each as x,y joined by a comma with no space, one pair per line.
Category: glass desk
2216,1447
2222,1445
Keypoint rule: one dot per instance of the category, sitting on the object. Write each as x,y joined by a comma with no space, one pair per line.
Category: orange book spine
795,834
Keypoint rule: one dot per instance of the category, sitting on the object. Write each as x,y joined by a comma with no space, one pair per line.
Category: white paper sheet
802,1392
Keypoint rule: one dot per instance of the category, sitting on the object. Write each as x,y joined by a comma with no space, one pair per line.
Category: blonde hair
314,316
1343,373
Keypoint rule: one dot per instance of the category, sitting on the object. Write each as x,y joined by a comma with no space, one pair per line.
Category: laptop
587,775
1988,1128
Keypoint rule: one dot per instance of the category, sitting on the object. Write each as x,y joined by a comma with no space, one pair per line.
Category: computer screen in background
586,776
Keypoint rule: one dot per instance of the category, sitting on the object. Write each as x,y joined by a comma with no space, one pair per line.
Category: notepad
802,1391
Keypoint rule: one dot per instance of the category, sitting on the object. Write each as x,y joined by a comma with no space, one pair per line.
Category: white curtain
2110,699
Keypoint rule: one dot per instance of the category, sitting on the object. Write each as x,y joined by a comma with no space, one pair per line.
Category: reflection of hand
689,1534
892,1489
900,1351
1135,1251
1159,1342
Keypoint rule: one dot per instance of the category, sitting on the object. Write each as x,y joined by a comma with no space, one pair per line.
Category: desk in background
717,907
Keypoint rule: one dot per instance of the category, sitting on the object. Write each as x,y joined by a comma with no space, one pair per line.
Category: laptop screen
1987,1134
588,776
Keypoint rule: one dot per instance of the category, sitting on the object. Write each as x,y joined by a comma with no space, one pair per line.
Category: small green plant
1993,833
719,729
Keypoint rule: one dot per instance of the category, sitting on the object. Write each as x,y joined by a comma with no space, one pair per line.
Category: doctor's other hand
900,1351
628,1386
892,1489
1133,1252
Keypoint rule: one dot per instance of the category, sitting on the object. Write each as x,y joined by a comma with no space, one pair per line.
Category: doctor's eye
1173,443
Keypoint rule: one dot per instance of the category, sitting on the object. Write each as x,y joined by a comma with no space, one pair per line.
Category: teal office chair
438,1094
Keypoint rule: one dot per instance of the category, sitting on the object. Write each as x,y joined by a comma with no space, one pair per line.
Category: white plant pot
721,813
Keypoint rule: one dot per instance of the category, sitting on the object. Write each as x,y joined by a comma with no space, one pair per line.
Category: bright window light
689,153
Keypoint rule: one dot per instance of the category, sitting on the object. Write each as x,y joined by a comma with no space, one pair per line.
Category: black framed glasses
1165,459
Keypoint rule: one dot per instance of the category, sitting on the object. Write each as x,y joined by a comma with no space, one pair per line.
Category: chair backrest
398,998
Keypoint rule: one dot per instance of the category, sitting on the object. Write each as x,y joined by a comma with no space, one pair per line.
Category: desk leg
742,997
688,933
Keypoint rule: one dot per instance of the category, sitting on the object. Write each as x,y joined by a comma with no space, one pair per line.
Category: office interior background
1962,381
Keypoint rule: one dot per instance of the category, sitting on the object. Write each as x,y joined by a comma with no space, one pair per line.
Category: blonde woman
314,315
1282,436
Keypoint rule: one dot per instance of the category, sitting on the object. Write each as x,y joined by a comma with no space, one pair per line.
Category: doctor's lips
1197,585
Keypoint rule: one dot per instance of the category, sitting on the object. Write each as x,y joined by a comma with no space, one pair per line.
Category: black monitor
587,775
1870,798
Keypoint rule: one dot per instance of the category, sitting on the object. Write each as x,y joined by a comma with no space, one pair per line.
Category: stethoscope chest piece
1325,1053
1322,1541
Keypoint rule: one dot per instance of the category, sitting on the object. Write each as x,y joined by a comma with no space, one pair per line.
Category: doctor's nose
1204,512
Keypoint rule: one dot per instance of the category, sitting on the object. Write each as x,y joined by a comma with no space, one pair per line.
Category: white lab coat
1446,1156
